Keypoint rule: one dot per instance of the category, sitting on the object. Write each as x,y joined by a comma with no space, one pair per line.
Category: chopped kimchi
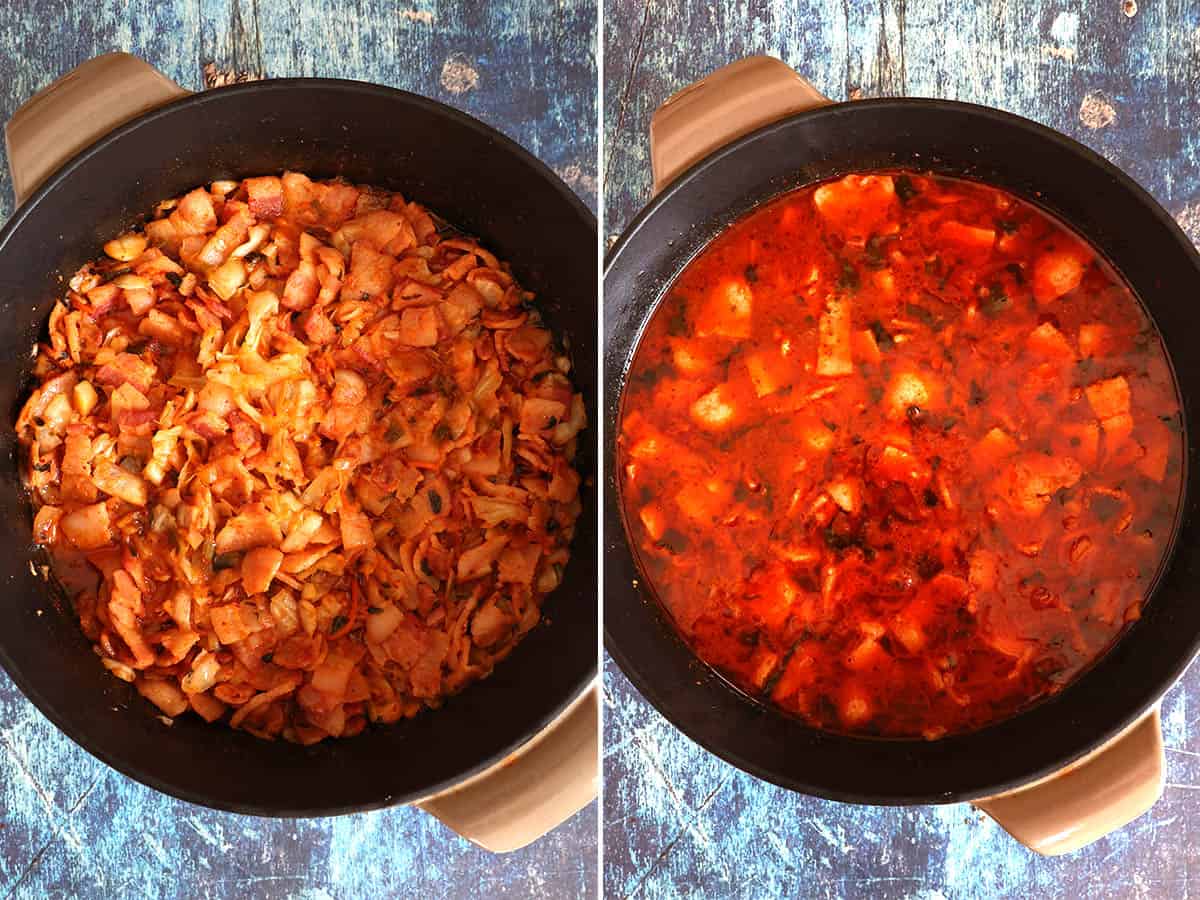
900,454
313,448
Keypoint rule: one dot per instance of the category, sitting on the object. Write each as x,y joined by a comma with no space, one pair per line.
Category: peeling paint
424,16
1189,220
214,77
1050,51
1064,31
458,75
1096,111
578,179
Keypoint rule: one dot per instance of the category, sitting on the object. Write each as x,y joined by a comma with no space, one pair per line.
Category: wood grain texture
678,821
71,827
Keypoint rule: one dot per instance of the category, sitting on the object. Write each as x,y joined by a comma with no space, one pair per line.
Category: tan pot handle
77,110
1095,796
721,107
543,783
1106,789
535,790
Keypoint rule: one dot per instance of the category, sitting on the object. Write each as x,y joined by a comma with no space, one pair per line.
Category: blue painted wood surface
71,827
1124,80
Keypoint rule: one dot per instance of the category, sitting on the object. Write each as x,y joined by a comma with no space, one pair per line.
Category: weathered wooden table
1122,79
71,827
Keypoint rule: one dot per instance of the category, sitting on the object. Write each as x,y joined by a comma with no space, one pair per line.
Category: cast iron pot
711,186
468,173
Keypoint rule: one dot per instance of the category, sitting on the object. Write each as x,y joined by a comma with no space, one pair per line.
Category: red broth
900,454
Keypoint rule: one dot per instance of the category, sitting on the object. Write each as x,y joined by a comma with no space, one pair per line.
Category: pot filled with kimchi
898,411
299,471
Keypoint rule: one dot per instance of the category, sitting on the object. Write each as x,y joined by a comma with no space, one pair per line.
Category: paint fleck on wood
1096,111
1189,220
423,16
1124,80
1063,32
458,75
214,77
71,827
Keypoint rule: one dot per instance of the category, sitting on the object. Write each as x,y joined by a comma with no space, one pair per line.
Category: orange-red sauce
900,454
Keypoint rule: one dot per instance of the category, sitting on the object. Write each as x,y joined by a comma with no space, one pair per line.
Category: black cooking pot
471,175
964,141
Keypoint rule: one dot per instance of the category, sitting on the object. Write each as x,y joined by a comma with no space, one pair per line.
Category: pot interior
959,140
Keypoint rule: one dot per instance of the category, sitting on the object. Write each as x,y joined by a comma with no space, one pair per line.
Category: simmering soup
900,454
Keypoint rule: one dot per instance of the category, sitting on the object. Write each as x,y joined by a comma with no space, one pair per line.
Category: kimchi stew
900,454
304,454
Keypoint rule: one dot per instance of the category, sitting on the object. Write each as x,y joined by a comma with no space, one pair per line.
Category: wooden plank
1061,66
524,67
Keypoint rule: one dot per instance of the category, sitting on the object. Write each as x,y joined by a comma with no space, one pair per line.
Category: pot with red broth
900,454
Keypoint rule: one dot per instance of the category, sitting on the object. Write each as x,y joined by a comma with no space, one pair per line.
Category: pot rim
194,101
